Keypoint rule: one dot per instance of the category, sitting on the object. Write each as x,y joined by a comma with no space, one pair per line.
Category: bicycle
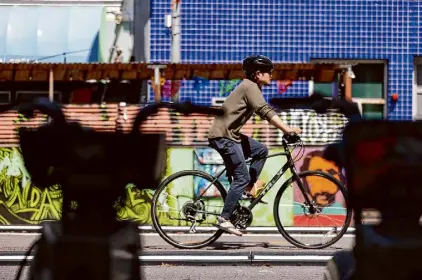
194,210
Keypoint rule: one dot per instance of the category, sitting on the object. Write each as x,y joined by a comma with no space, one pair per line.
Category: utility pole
175,38
141,44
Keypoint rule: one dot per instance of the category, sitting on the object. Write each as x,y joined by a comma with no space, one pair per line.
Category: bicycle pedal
246,196
262,201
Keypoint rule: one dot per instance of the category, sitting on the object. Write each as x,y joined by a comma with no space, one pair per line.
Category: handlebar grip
44,105
143,114
291,137
189,108
318,103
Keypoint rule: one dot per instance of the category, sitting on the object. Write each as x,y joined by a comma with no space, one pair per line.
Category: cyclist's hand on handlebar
296,130
291,137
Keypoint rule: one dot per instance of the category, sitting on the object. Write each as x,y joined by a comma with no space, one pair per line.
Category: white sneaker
227,226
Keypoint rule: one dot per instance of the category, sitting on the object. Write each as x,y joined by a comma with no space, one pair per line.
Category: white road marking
196,235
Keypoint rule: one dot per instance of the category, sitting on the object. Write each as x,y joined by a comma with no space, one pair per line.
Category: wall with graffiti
23,203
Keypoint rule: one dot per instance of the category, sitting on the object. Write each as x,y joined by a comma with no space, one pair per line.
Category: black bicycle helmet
255,63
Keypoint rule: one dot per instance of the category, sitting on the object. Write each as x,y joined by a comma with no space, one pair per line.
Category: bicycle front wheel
185,209
314,226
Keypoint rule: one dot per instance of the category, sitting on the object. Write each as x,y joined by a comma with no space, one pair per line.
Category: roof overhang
17,72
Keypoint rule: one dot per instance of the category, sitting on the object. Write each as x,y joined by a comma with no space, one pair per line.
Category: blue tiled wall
296,31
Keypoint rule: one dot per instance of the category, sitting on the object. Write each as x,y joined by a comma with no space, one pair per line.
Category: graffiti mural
322,191
209,161
137,206
23,203
20,202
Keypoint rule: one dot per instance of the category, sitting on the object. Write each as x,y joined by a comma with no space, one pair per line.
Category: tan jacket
238,107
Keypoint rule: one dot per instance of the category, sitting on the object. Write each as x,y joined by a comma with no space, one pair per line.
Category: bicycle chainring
242,217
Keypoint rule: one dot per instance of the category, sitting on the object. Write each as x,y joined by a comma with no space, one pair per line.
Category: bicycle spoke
196,203
330,217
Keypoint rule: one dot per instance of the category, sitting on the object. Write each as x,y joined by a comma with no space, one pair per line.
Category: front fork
308,200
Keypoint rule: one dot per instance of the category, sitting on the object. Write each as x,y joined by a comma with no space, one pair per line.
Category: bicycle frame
288,165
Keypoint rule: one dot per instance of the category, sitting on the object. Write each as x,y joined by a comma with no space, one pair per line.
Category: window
417,90
368,87
5,97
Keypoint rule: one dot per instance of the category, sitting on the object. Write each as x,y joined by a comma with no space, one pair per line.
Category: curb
204,258
148,229
310,258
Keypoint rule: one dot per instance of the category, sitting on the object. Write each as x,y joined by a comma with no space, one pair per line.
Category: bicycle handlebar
291,138
46,107
333,152
316,102
61,143
54,111
185,108
319,104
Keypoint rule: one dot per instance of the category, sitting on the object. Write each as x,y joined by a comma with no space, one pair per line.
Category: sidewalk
228,250
204,259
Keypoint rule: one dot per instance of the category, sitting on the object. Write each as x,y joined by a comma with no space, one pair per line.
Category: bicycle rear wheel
185,207
309,229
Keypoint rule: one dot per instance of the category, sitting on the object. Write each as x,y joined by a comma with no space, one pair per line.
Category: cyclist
234,147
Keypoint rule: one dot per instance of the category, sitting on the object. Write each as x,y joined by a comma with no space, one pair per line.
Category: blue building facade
385,32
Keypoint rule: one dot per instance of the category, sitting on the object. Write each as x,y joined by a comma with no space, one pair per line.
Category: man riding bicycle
234,147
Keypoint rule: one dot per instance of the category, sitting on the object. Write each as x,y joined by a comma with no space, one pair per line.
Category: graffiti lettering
23,203
137,206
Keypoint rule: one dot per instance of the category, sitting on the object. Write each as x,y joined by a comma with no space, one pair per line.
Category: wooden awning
143,71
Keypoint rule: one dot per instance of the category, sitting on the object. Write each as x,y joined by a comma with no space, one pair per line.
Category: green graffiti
225,87
257,132
137,206
104,114
21,118
20,202
23,203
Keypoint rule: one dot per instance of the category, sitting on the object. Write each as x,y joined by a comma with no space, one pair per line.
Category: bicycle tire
279,225
162,186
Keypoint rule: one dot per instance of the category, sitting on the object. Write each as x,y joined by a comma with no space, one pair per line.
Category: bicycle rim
184,216
309,229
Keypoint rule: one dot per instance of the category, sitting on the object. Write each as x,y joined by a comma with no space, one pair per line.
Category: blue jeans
234,155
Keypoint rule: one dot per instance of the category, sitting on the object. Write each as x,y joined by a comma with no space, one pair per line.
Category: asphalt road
214,273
